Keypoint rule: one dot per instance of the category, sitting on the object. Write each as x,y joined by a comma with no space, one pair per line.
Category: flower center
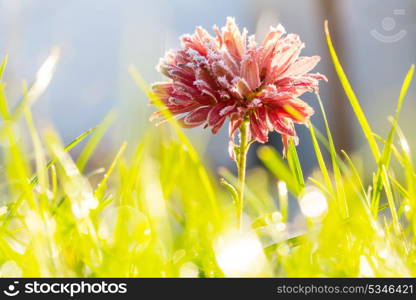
250,96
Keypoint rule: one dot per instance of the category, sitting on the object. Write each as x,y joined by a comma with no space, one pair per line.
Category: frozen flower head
232,76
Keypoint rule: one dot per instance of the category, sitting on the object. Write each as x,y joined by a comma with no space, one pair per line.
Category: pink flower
231,76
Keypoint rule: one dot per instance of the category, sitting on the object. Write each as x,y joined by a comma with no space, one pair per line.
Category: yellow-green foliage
157,211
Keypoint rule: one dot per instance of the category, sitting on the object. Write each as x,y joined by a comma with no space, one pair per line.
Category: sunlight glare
313,204
240,254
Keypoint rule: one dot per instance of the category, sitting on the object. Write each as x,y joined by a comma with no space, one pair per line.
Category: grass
155,210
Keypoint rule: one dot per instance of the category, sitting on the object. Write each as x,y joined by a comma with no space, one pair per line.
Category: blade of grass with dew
356,175
356,185
386,153
324,141
171,152
375,205
54,182
352,98
35,90
16,165
409,170
342,201
3,67
320,159
41,173
67,148
402,190
19,170
80,200
94,140
99,192
129,173
4,109
294,163
363,122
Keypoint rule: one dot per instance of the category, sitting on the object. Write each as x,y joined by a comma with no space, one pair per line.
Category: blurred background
100,39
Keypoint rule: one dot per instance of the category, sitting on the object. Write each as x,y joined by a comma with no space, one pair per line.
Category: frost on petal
250,71
219,69
218,35
192,42
274,35
218,126
233,39
197,117
230,62
318,76
284,62
242,86
258,129
206,39
227,110
178,101
302,65
255,103
162,90
274,98
279,123
286,53
214,115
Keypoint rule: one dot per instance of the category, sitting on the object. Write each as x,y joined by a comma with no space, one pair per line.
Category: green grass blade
279,169
67,148
356,174
95,140
42,175
320,158
4,110
352,98
387,149
99,192
342,202
294,163
3,67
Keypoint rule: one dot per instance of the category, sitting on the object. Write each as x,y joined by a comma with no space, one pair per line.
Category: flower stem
241,168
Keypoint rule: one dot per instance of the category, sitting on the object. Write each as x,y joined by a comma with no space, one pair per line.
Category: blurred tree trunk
339,111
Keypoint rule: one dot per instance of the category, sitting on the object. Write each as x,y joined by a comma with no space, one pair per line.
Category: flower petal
234,41
302,66
258,129
218,126
298,110
197,117
250,71
279,124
